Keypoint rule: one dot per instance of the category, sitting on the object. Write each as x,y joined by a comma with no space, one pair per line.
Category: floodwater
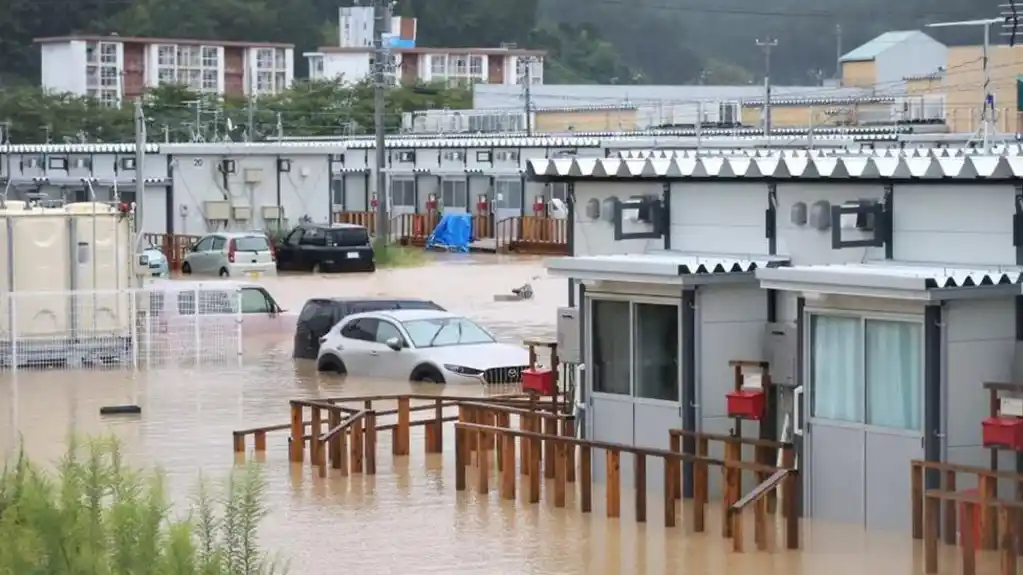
408,518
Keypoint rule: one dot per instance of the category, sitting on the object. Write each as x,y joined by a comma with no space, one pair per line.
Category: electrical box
780,352
253,175
243,213
219,210
569,349
272,212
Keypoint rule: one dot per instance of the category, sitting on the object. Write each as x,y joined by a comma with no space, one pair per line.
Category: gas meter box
569,350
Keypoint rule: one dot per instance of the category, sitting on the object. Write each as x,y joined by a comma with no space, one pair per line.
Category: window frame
353,323
862,316
266,298
589,347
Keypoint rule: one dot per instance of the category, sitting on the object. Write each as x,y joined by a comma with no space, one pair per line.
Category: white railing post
239,329
148,327
197,340
12,305
133,309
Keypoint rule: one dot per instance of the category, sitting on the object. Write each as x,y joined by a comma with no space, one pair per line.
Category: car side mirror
394,343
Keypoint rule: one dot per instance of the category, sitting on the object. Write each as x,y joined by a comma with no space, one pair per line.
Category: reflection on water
408,518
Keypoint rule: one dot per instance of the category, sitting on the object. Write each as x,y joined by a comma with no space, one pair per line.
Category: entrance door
611,416
507,200
865,405
454,196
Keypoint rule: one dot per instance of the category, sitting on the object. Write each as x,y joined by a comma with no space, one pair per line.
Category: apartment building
114,68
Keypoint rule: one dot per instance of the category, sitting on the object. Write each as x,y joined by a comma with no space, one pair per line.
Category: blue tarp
453,232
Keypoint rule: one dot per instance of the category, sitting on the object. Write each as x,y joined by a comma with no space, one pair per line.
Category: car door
259,315
196,259
388,363
357,346
212,259
315,321
288,250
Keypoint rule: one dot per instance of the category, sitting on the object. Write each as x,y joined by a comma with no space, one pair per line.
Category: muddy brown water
408,518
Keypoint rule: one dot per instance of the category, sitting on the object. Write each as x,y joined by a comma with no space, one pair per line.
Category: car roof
238,234
338,226
414,314
365,299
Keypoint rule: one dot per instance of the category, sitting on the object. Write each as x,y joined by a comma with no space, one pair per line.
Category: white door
507,200
611,409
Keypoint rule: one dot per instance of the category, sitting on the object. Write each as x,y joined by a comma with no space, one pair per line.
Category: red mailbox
373,202
746,404
540,381
538,205
1003,431
481,204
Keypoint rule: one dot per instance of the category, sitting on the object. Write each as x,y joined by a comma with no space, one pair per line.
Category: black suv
320,314
326,248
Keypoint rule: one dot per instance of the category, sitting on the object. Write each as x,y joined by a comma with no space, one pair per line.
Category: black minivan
318,315
326,248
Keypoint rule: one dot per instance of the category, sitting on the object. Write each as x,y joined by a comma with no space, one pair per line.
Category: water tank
69,269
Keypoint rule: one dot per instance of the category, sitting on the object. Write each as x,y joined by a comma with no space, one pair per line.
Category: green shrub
393,255
94,515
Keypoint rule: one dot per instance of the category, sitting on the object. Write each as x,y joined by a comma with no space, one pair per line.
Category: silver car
231,254
419,345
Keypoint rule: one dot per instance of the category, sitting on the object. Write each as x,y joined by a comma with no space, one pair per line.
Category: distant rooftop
875,47
148,40
425,50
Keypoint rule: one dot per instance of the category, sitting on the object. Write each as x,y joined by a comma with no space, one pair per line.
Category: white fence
133,328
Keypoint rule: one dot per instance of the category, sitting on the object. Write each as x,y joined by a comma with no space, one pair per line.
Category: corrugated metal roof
935,165
821,101
75,148
899,275
663,264
875,47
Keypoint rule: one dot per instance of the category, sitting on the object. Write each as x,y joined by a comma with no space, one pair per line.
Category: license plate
252,275
353,255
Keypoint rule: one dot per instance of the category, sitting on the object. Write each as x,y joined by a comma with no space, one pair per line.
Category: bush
95,515
393,255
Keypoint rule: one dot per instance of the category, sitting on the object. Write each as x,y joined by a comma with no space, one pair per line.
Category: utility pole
527,88
838,51
140,174
988,128
381,26
250,129
767,45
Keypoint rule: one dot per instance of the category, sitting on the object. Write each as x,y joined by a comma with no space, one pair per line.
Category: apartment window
166,76
506,156
108,76
458,65
210,57
92,76
165,55
454,156
438,65
403,192
508,194
264,81
209,80
279,59
271,70
280,81
528,65
454,193
90,53
476,67
265,58
108,53
109,98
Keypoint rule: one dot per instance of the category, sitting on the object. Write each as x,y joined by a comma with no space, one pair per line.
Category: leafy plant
393,255
96,515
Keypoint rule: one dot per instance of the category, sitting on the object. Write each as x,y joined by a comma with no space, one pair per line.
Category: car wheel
427,374
186,268
224,273
330,364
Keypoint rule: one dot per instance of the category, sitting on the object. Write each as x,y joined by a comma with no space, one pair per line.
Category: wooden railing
173,246
414,228
532,234
759,497
367,220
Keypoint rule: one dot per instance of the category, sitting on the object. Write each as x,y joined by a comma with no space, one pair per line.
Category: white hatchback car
232,254
419,345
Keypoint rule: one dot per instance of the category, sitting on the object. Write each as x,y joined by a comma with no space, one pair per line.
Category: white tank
68,268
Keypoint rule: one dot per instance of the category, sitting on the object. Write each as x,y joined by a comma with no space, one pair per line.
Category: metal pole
838,51
767,45
381,22
140,175
988,114
528,81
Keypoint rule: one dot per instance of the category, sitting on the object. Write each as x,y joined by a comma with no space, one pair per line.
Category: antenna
988,128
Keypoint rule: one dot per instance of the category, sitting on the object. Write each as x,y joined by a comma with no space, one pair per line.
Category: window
210,80
454,156
165,55
610,346
337,192
166,76
254,300
386,330
476,66
204,244
280,81
404,156
508,194
506,156
867,371
362,329
295,237
445,331
558,190
265,58
314,237
108,53
484,156
439,65
264,81
348,237
453,193
656,352
279,59
108,76
403,192
110,98
218,244
210,57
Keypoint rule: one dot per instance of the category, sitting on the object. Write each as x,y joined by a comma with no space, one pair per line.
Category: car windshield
445,331
251,244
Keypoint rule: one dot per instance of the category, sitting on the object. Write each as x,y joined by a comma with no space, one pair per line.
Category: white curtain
894,375
837,368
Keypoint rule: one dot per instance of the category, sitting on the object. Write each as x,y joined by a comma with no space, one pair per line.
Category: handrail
517,411
751,441
760,491
330,433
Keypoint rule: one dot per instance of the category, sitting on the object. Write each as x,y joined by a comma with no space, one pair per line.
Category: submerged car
154,263
232,254
320,314
221,305
420,345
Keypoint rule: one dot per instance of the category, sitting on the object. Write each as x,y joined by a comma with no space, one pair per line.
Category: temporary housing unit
64,279
883,289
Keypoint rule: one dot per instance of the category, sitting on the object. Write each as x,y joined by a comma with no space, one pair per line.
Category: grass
393,255
96,515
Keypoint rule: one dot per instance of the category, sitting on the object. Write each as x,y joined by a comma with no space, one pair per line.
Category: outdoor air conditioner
242,213
218,210
273,213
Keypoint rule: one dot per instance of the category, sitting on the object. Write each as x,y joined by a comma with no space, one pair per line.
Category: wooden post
670,469
357,445
701,476
342,456
760,513
239,442
483,464
734,519
438,424
585,480
789,491
534,470
916,492
525,424
460,457
675,445
297,433
560,473
260,441
969,553
729,486
1007,527
315,429
568,430
639,469
500,420
932,515
371,443
404,419
508,466
550,427
948,530
614,484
